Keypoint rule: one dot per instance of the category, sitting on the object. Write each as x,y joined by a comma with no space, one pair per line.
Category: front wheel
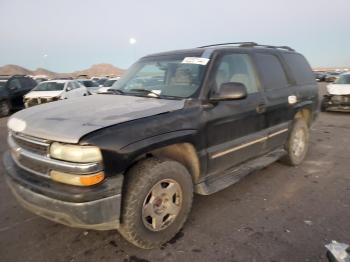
297,144
156,203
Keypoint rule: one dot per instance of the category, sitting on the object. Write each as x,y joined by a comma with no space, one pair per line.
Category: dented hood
69,120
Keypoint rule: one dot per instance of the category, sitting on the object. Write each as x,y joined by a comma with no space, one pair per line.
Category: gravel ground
280,213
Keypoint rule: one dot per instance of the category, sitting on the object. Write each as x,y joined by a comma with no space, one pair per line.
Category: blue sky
68,35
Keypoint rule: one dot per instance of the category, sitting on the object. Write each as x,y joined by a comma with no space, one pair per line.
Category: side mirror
68,89
230,91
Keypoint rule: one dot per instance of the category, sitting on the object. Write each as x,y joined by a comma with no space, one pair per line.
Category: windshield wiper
145,91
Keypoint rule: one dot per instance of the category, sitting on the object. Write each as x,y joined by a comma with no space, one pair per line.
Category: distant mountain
95,70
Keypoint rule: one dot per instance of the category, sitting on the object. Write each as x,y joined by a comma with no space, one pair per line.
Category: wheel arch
179,147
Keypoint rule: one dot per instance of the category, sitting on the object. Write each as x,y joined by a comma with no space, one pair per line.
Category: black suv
177,123
12,90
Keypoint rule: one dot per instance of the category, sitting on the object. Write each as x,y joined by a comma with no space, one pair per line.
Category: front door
236,129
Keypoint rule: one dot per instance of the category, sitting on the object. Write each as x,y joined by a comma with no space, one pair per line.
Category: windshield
2,83
165,78
49,86
343,80
89,83
109,83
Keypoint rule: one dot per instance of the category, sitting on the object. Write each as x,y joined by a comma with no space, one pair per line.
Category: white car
54,90
338,95
107,85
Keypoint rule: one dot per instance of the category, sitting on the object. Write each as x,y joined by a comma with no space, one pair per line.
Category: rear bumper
102,213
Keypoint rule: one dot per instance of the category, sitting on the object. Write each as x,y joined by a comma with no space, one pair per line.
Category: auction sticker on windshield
195,60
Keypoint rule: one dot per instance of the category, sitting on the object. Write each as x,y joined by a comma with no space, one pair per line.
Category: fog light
77,180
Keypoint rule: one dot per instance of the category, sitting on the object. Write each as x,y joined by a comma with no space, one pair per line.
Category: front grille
33,166
20,144
37,146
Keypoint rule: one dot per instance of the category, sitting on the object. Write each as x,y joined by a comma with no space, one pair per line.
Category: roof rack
250,44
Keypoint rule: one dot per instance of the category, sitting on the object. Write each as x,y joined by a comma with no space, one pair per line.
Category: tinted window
299,68
15,84
272,73
27,83
236,68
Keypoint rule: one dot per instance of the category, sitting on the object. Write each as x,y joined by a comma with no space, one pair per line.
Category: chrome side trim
262,139
69,167
277,133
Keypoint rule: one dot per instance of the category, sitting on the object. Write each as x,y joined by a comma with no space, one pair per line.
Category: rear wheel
4,108
156,203
297,144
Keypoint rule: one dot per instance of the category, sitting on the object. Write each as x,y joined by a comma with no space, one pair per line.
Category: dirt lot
278,214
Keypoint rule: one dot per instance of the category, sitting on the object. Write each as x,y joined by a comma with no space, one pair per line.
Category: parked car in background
107,84
100,80
332,76
54,90
320,76
40,79
338,95
12,90
91,85
198,121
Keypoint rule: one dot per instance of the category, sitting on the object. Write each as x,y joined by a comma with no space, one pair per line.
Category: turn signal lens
77,180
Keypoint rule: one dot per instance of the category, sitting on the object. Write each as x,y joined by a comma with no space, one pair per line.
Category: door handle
261,108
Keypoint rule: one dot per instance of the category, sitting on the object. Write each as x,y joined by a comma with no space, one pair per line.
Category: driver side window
236,68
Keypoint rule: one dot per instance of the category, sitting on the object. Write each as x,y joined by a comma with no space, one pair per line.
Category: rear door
279,97
235,129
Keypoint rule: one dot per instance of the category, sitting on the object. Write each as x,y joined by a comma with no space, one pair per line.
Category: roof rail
250,44
234,43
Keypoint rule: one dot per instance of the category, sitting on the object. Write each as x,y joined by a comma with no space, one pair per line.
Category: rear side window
272,73
300,68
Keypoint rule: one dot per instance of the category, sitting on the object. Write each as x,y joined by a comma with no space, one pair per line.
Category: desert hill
94,70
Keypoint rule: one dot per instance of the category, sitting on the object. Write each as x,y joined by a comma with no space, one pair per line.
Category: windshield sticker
195,60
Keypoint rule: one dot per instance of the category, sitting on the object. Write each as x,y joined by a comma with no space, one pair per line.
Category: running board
229,177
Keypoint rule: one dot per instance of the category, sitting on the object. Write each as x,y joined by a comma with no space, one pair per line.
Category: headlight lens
75,153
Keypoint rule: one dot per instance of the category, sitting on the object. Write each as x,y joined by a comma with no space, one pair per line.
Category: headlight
75,153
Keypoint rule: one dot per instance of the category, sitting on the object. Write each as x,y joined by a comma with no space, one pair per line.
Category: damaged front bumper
336,103
28,102
96,207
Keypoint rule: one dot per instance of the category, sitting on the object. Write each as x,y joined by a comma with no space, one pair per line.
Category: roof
62,81
208,49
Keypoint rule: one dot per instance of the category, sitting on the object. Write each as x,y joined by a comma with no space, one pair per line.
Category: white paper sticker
195,60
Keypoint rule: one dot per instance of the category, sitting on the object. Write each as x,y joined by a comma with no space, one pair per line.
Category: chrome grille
28,163
39,147
31,154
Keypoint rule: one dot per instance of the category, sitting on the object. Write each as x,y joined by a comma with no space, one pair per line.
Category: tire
4,108
297,144
323,105
141,182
